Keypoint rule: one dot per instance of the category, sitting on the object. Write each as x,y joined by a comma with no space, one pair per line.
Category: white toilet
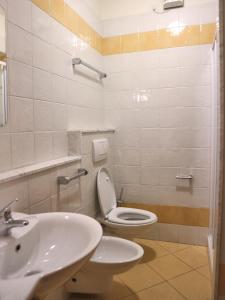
112,256
120,220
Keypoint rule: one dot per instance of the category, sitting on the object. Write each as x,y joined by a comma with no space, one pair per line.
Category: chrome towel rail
65,179
78,61
188,177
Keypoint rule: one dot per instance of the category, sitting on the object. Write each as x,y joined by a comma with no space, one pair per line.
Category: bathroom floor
167,271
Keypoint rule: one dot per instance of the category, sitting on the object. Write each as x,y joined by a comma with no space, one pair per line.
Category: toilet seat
131,216
119,215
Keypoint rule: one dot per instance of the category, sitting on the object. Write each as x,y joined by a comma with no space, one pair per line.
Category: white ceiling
108,9
95,5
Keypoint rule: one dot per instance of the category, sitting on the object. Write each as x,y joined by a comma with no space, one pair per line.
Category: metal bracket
66,180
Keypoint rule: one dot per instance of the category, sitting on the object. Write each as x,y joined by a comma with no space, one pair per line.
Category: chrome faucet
7,222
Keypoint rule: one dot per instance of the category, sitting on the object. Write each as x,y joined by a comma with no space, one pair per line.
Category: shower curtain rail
78,61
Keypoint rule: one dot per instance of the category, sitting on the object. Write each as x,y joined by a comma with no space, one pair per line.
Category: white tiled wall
160,103
122,21
178,234
88,183
46,97
40,193
163,119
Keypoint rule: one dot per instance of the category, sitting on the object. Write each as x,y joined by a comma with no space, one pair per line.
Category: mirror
3,86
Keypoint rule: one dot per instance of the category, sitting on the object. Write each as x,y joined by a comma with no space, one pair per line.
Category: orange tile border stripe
190,35
179,215
64,14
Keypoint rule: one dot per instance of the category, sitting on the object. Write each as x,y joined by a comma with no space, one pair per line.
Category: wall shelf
97,130
36,168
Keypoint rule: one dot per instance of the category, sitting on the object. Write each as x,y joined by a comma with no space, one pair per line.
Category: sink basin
42,256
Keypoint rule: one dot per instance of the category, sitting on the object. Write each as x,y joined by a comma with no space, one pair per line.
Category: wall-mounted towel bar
78,61
65,179
189,177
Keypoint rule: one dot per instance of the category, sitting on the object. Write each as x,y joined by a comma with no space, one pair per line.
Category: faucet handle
6,211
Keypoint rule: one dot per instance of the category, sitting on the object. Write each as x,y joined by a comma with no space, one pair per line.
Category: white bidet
112,256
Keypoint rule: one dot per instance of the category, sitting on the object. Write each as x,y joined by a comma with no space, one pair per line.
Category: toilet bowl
112,256
121,220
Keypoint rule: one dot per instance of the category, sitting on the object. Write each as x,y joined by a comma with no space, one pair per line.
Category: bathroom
131,93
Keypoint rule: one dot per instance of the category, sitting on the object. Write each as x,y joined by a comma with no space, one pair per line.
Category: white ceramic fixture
112,256
121,220
43,255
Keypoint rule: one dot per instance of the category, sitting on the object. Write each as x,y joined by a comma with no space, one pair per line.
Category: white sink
43,255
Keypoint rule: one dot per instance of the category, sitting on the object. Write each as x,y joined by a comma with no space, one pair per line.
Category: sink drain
17,248
33,272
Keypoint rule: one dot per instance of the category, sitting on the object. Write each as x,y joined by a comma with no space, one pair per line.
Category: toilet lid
106,191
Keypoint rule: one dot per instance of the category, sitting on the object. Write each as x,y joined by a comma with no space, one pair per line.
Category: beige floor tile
194,256
205,271
202,249
162,291
140,277
170,261
169,266
119,290
193,286
173,247
152,250
133,297
82,297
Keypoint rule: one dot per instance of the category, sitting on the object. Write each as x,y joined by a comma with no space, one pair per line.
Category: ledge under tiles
98,130
36,168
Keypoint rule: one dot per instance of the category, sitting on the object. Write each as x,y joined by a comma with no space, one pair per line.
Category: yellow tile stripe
160,39
179,215
190,35
65,15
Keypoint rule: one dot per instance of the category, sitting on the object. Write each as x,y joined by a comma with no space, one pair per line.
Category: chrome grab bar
78,61
185,177
66,179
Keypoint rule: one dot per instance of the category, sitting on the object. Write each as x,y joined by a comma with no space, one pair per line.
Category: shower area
162,95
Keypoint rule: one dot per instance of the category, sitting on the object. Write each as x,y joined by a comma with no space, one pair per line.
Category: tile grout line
168,281
188,246
177,291
170,278
177,258
206,265
160,276
164,281
134,293
194,268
